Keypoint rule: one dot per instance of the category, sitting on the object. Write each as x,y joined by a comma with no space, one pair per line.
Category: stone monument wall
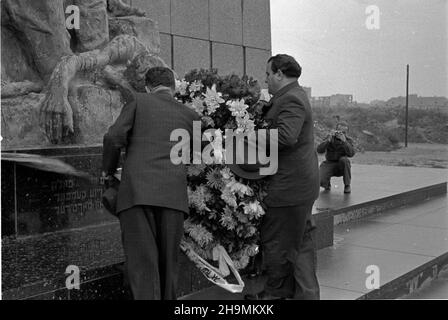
233,36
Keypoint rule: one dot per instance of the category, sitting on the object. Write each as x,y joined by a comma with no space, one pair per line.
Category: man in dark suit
338,147
152,197
288,246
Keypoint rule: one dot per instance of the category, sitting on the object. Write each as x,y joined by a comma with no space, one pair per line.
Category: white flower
244,124
181,86
216,143
251,250
241,263
238,108
227,219
229,197
198,198
212,99
226,173
198,105
198,232
196,86
253,209
239,188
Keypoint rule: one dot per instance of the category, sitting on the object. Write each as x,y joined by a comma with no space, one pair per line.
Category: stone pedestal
51,221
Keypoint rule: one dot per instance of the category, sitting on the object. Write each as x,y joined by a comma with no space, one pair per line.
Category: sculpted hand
56,112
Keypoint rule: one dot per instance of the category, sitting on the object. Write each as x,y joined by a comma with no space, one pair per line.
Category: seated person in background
337,148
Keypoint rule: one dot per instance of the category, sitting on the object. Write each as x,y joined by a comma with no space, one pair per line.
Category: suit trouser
341,168
289,252
151,238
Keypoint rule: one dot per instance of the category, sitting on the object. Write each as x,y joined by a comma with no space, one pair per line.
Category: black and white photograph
214,153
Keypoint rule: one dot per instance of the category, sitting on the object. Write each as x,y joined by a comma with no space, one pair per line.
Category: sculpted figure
58,54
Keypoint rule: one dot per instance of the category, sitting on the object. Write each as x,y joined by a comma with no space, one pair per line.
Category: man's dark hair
160,76
287,64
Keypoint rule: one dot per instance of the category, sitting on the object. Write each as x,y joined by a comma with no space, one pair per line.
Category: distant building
419,102
320,102
341,100
333,100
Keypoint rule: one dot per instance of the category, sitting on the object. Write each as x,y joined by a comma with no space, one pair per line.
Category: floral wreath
225,210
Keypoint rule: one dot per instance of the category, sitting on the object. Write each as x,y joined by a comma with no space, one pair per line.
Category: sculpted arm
56,111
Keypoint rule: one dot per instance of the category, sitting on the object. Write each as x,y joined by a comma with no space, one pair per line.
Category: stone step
412,281
409,245
354,210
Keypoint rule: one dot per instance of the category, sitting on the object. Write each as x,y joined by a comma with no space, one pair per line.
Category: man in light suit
152,197
287,242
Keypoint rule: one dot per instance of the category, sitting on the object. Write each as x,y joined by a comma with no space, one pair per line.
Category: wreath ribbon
215,275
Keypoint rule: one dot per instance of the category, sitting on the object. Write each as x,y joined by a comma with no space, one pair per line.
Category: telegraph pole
407,108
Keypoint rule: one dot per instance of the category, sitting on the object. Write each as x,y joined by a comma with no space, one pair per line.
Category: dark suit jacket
144,128
297,179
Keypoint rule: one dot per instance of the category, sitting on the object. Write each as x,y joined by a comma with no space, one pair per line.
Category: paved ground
372,182
396,241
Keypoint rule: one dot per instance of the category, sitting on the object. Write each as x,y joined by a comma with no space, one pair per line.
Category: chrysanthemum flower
194,170
251,250
196,86
181,87
198,105
214,179
213,99
227,220
244,124
208,121
229,197
198,233
241,217
242,262
253,210
226,173
239,188
238,107
198,198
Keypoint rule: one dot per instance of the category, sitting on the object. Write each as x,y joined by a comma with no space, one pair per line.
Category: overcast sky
339,54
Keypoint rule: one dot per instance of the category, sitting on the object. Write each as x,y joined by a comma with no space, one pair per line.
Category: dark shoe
263,295
347,189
